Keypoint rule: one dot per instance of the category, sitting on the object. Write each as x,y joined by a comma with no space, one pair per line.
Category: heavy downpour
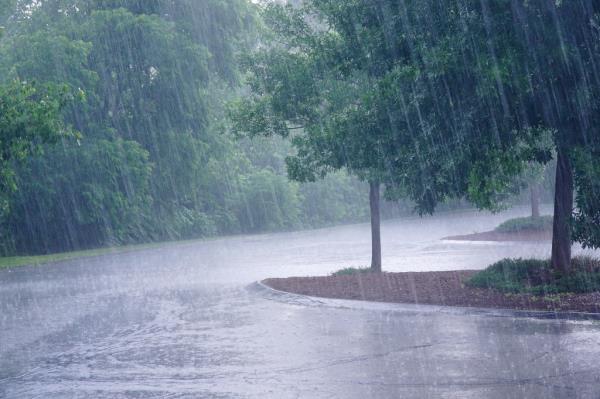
299,199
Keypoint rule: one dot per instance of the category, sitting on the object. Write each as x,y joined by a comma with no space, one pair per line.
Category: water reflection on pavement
180,322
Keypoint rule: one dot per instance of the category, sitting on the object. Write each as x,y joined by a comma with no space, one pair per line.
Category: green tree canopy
30,115
439,100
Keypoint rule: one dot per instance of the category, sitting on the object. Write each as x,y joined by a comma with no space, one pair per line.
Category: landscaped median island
509,284
518,229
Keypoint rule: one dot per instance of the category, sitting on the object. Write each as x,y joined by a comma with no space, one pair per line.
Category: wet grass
534,276
15,261
528,223
351,270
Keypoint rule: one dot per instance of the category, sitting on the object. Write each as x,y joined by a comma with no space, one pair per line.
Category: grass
14,261
534,276
528,223
351,270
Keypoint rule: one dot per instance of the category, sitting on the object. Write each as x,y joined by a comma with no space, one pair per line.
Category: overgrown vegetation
144,84
528,223
535,276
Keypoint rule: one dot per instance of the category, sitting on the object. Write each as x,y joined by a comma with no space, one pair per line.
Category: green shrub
526,223
534,276
351,270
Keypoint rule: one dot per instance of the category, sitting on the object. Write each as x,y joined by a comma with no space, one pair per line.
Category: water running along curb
306,300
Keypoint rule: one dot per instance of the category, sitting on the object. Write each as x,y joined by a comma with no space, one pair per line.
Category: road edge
307,300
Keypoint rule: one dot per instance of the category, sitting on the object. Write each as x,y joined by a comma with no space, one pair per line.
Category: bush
534,276
526,223
351,270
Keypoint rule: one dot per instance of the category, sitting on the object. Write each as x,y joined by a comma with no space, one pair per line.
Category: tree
533,180
75,196
476,83
459,96
551,51
30,115
150,73
297,91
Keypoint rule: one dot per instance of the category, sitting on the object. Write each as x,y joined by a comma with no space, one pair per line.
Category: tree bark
375,227
535,200
563,212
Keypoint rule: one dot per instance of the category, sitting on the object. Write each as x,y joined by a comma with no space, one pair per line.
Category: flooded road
180,322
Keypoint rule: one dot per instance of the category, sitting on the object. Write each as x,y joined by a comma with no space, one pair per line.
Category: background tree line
126,106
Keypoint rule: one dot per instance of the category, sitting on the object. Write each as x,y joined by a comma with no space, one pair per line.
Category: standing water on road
179,321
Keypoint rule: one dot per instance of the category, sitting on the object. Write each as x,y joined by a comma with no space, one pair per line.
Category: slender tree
298,90
375,226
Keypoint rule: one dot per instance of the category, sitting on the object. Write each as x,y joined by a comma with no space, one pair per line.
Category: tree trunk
375,227
535,200
563,210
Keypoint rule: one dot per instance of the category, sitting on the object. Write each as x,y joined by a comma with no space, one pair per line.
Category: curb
306,300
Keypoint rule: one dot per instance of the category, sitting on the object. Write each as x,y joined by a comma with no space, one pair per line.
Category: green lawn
13,261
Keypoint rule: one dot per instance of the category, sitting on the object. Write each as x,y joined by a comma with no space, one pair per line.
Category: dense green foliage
154,160
298,90
30,116
367,95
437,100
586,226
533,276
528,223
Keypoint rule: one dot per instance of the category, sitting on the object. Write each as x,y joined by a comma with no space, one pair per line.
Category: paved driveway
184,321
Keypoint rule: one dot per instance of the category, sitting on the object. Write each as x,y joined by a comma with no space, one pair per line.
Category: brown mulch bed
526,235
433,288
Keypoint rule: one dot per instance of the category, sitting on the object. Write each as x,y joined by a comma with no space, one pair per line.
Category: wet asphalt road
185,321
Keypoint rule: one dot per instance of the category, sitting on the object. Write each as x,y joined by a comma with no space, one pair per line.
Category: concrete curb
306,300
